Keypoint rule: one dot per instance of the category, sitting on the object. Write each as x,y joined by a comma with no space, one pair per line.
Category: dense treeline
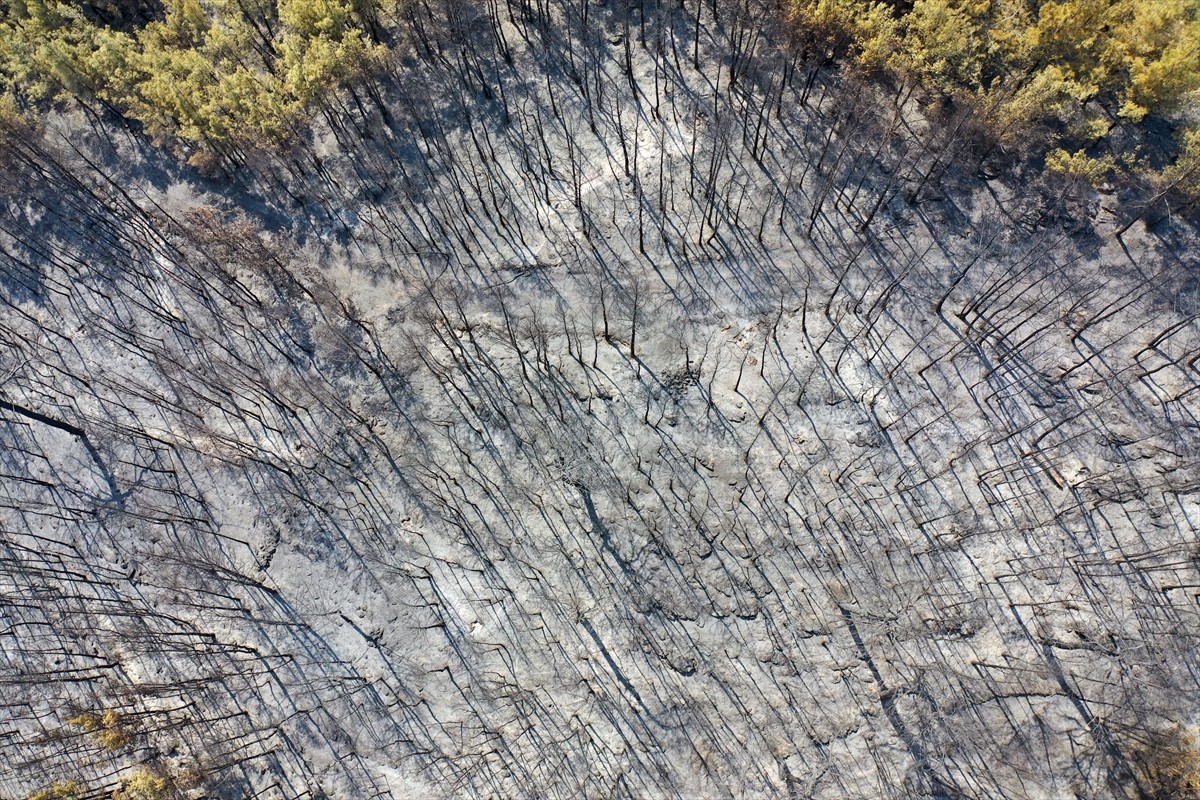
209,72
1079,78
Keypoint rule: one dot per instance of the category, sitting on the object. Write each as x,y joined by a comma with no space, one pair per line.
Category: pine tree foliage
209,72
1074,72
1076,76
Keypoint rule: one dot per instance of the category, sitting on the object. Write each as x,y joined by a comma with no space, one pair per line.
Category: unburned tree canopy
1070,70
204,71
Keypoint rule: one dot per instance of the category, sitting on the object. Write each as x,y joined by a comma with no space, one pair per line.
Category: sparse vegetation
1169,762
143,784
106,727
61,790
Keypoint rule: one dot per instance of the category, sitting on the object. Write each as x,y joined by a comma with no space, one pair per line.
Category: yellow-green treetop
207,71
1141,56
1072,69
219,73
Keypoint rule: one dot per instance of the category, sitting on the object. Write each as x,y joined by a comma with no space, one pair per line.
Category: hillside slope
592,410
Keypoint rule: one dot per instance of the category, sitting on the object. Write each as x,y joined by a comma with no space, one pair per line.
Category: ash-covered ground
588,410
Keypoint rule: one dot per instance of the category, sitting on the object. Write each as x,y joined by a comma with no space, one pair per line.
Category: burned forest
583,399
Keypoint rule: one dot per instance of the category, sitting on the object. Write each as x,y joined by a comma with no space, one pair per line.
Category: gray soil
633,419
